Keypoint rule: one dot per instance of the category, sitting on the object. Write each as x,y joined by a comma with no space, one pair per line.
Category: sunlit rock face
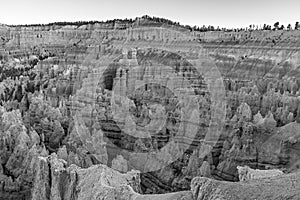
98,181
19,151
168,102
284,186
256,54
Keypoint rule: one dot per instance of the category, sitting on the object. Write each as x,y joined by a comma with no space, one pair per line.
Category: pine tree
276,25
296,25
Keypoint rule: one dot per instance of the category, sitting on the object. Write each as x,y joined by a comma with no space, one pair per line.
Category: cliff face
19,153
283,187
244,55
55,181
259,58
100,181
171,103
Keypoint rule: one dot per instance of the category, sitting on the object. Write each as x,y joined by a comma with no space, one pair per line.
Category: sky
223,13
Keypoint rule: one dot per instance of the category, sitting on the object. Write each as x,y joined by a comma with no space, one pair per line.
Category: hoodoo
148,109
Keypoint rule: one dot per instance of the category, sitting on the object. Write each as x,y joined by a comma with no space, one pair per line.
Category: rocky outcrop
120,164
76,86
246,173
20,149
47,122
89,145
54,180
281,147
283,187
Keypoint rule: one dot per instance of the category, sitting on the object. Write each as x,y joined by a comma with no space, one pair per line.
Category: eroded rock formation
124,95
283,187
54,180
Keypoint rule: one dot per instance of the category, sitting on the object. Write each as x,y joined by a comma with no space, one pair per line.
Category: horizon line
135,18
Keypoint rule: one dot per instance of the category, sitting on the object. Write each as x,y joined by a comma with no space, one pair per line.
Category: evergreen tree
296,25
276,25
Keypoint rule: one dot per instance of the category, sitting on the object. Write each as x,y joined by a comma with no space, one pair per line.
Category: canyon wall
170,103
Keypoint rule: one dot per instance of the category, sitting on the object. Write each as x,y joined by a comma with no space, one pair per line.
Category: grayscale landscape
146,108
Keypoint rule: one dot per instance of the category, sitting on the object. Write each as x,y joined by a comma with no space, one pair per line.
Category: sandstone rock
278,149
94,183
268,124
11,118
269,188
91,142
244,112
34,137
119,164
246,173
19,152
194,162
62,153
204,170
42,187
257,118
265,81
